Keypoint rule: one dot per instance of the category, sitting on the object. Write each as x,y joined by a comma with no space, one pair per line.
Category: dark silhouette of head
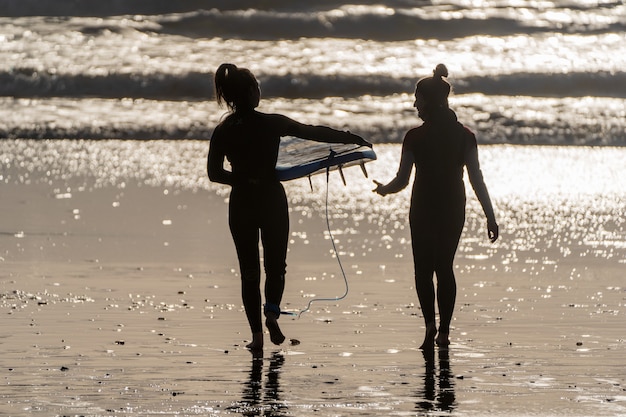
431,93
237,87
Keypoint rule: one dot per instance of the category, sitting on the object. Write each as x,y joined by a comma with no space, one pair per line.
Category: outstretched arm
480,188
323,134
402,176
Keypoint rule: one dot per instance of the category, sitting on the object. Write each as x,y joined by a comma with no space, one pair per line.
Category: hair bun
440,71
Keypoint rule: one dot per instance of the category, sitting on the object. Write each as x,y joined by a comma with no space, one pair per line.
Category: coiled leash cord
332,240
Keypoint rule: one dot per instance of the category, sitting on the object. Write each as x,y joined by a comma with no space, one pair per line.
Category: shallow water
176,348
552,203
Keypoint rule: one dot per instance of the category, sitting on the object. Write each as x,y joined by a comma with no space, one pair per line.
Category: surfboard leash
332,240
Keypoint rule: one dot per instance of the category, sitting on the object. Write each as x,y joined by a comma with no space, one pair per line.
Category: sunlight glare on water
550,201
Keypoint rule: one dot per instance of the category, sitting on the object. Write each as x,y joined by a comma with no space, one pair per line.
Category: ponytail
233,86
222,78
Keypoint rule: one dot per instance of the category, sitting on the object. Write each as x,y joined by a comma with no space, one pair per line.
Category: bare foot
429,338
443,339
276,336
257,342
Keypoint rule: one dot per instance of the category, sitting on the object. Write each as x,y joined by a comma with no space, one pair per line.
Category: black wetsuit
258,205
439,149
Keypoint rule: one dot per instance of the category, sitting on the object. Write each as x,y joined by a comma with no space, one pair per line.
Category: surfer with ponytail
250,140
440,149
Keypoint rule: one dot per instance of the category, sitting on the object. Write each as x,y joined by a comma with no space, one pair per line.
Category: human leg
245,235
446,298
446,247
426,295
423,264
275,236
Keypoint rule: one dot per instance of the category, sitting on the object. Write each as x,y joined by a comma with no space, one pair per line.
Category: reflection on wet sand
438,391
259,400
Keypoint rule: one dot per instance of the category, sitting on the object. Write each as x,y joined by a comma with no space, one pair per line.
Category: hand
492,230
358,140
379,188
366,143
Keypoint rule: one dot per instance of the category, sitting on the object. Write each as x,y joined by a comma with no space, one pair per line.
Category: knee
277,270
251,275
423,276
445,277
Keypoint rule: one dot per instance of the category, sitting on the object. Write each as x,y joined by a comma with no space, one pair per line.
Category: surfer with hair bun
439,149
250,140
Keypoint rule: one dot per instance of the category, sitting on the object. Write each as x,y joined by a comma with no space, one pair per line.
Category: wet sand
125,301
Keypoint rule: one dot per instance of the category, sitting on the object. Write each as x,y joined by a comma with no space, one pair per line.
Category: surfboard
299,158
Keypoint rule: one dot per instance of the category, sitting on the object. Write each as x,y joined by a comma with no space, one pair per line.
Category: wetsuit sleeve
476,177
401,180
318,133
215,161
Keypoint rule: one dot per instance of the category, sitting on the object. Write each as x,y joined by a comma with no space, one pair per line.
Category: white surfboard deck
299,158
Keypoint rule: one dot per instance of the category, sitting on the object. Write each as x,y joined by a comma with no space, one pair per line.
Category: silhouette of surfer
249,140
439,149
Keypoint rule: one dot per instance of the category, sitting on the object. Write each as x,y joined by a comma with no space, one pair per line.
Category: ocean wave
28,82
381,119
259,24
550,73
599,84
374,23
397,20
14,8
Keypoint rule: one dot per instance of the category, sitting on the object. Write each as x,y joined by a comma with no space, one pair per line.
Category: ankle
271,315
271,311
443,338
257,341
